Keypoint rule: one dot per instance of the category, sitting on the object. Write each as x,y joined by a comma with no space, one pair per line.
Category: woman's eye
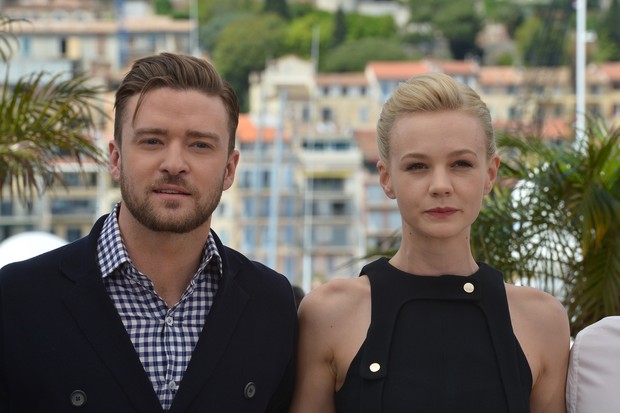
463,164
416,166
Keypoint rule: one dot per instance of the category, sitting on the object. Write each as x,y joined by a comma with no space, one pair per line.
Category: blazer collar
226,311
99,321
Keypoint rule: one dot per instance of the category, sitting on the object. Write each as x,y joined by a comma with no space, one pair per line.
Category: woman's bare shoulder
338,295
532,302
539,319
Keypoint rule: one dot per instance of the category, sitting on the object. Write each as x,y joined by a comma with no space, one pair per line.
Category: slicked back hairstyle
179,72
431,92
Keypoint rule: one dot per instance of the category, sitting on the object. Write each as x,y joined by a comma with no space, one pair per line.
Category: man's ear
114,164
231,167
385,179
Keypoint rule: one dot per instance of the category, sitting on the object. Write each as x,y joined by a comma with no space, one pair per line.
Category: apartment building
70,35
61,38
306,199
318,167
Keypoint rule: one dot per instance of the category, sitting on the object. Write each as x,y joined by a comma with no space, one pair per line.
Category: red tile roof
367,142
611,70
399,70
247,131
499,76
458,67
342,79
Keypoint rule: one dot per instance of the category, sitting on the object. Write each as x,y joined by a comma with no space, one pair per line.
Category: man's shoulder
43,264
250,272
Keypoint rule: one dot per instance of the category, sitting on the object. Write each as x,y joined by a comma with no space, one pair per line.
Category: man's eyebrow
150,131
192,133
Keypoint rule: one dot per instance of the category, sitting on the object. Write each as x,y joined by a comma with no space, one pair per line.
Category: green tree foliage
511,14
279,7
352,56
163,7
43,118
300,33
244,46
609,30
542,39
559,221
525,35
360,26
457,21
209,33
340,28
211,9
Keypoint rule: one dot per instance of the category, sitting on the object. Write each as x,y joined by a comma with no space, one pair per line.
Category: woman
431,329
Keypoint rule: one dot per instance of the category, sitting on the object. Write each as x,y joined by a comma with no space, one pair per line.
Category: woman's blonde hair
432,92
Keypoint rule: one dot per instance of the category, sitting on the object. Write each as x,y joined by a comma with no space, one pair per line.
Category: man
594,369
150,312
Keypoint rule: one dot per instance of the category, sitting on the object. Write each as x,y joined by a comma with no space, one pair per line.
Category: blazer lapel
95,314
221,322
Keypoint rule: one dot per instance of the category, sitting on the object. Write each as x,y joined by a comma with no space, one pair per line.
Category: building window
340,236
327,184
287,235
249,238
326,114
375,220
73,234
339,208
26,46
305,114
77,179
513,113
6,208
375,193
73,206
363,114
63,46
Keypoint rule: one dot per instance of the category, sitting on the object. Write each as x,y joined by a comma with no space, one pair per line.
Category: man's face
173,163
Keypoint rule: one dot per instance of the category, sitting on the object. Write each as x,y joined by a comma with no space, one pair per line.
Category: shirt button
468,288
172,385
169,320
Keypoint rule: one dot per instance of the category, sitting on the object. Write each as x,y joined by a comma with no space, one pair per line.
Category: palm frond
557,214
44,118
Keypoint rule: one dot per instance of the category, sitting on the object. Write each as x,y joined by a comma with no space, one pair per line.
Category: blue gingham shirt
163,337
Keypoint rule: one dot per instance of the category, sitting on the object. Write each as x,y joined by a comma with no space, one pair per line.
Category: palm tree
555,223
43,117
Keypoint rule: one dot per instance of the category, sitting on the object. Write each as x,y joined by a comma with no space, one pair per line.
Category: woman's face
438,172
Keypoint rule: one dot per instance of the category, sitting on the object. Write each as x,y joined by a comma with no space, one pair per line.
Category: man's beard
144,211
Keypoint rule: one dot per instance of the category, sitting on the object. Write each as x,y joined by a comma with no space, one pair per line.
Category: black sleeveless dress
437,345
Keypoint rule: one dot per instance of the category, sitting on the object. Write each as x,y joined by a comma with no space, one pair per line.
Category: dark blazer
64,348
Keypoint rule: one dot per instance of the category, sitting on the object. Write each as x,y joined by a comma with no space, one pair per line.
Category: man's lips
171,190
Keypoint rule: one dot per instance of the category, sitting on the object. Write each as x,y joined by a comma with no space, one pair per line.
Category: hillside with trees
242,35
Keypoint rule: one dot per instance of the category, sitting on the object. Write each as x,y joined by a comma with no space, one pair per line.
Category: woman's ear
385,179
492,171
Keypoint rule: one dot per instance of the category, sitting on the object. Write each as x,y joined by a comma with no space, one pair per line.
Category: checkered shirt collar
112,254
